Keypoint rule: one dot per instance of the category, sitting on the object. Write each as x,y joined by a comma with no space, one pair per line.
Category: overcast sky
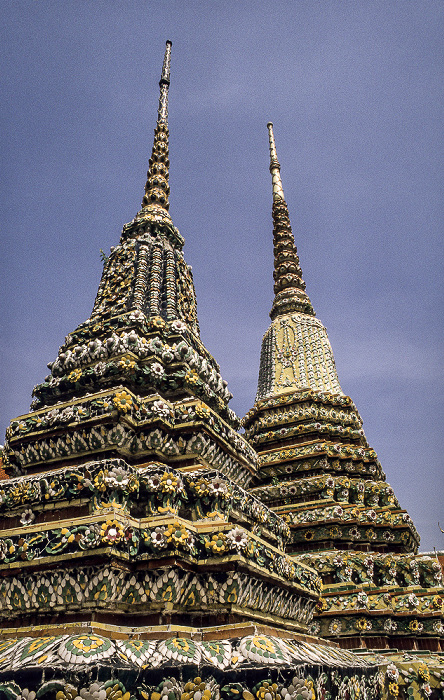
355,93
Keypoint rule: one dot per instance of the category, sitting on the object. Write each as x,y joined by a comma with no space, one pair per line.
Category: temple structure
150,550
317,471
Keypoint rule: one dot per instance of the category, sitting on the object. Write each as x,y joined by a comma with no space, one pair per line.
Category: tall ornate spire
296,353
289,287
155,201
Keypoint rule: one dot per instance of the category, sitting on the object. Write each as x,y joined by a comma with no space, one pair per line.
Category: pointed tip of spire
155,201
278,191
165,77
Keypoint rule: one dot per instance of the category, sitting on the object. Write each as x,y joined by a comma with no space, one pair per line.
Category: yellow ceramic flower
123,401
201,486
69,692
393,689
99,481
191,377
157,322
126,364
168,483
218,543
361,624
202,410
75,375
423,672
267,689
176,534
194,687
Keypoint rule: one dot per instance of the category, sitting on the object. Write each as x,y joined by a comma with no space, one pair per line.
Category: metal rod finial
278,192
165,77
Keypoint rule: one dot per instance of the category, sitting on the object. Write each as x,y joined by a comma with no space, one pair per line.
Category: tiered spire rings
289,287
157,189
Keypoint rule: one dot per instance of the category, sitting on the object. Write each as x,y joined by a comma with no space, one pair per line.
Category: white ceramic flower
390,626
158,539
99,369
438,627
392,672
157,369
237,538
315,628
217,487
335,626
161,408
27,517
137,316
117,476
154,482
67,414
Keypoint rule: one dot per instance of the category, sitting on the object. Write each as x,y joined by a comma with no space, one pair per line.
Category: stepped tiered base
120,581
317,472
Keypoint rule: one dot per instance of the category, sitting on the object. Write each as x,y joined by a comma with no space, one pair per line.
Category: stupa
318,472
135,560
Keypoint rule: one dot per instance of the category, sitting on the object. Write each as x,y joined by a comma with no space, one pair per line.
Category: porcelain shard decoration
149,550
317,471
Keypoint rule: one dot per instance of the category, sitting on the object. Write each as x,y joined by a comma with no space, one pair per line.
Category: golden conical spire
289,287
296,354
155,201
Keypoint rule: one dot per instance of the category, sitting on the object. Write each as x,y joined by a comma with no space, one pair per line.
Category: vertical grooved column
141,279
155,280
170,284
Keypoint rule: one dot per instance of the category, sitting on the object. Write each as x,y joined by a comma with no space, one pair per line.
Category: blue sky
355,93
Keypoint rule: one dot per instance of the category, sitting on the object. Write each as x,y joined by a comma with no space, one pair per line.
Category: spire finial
155,201
289,287
275,167
164,84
